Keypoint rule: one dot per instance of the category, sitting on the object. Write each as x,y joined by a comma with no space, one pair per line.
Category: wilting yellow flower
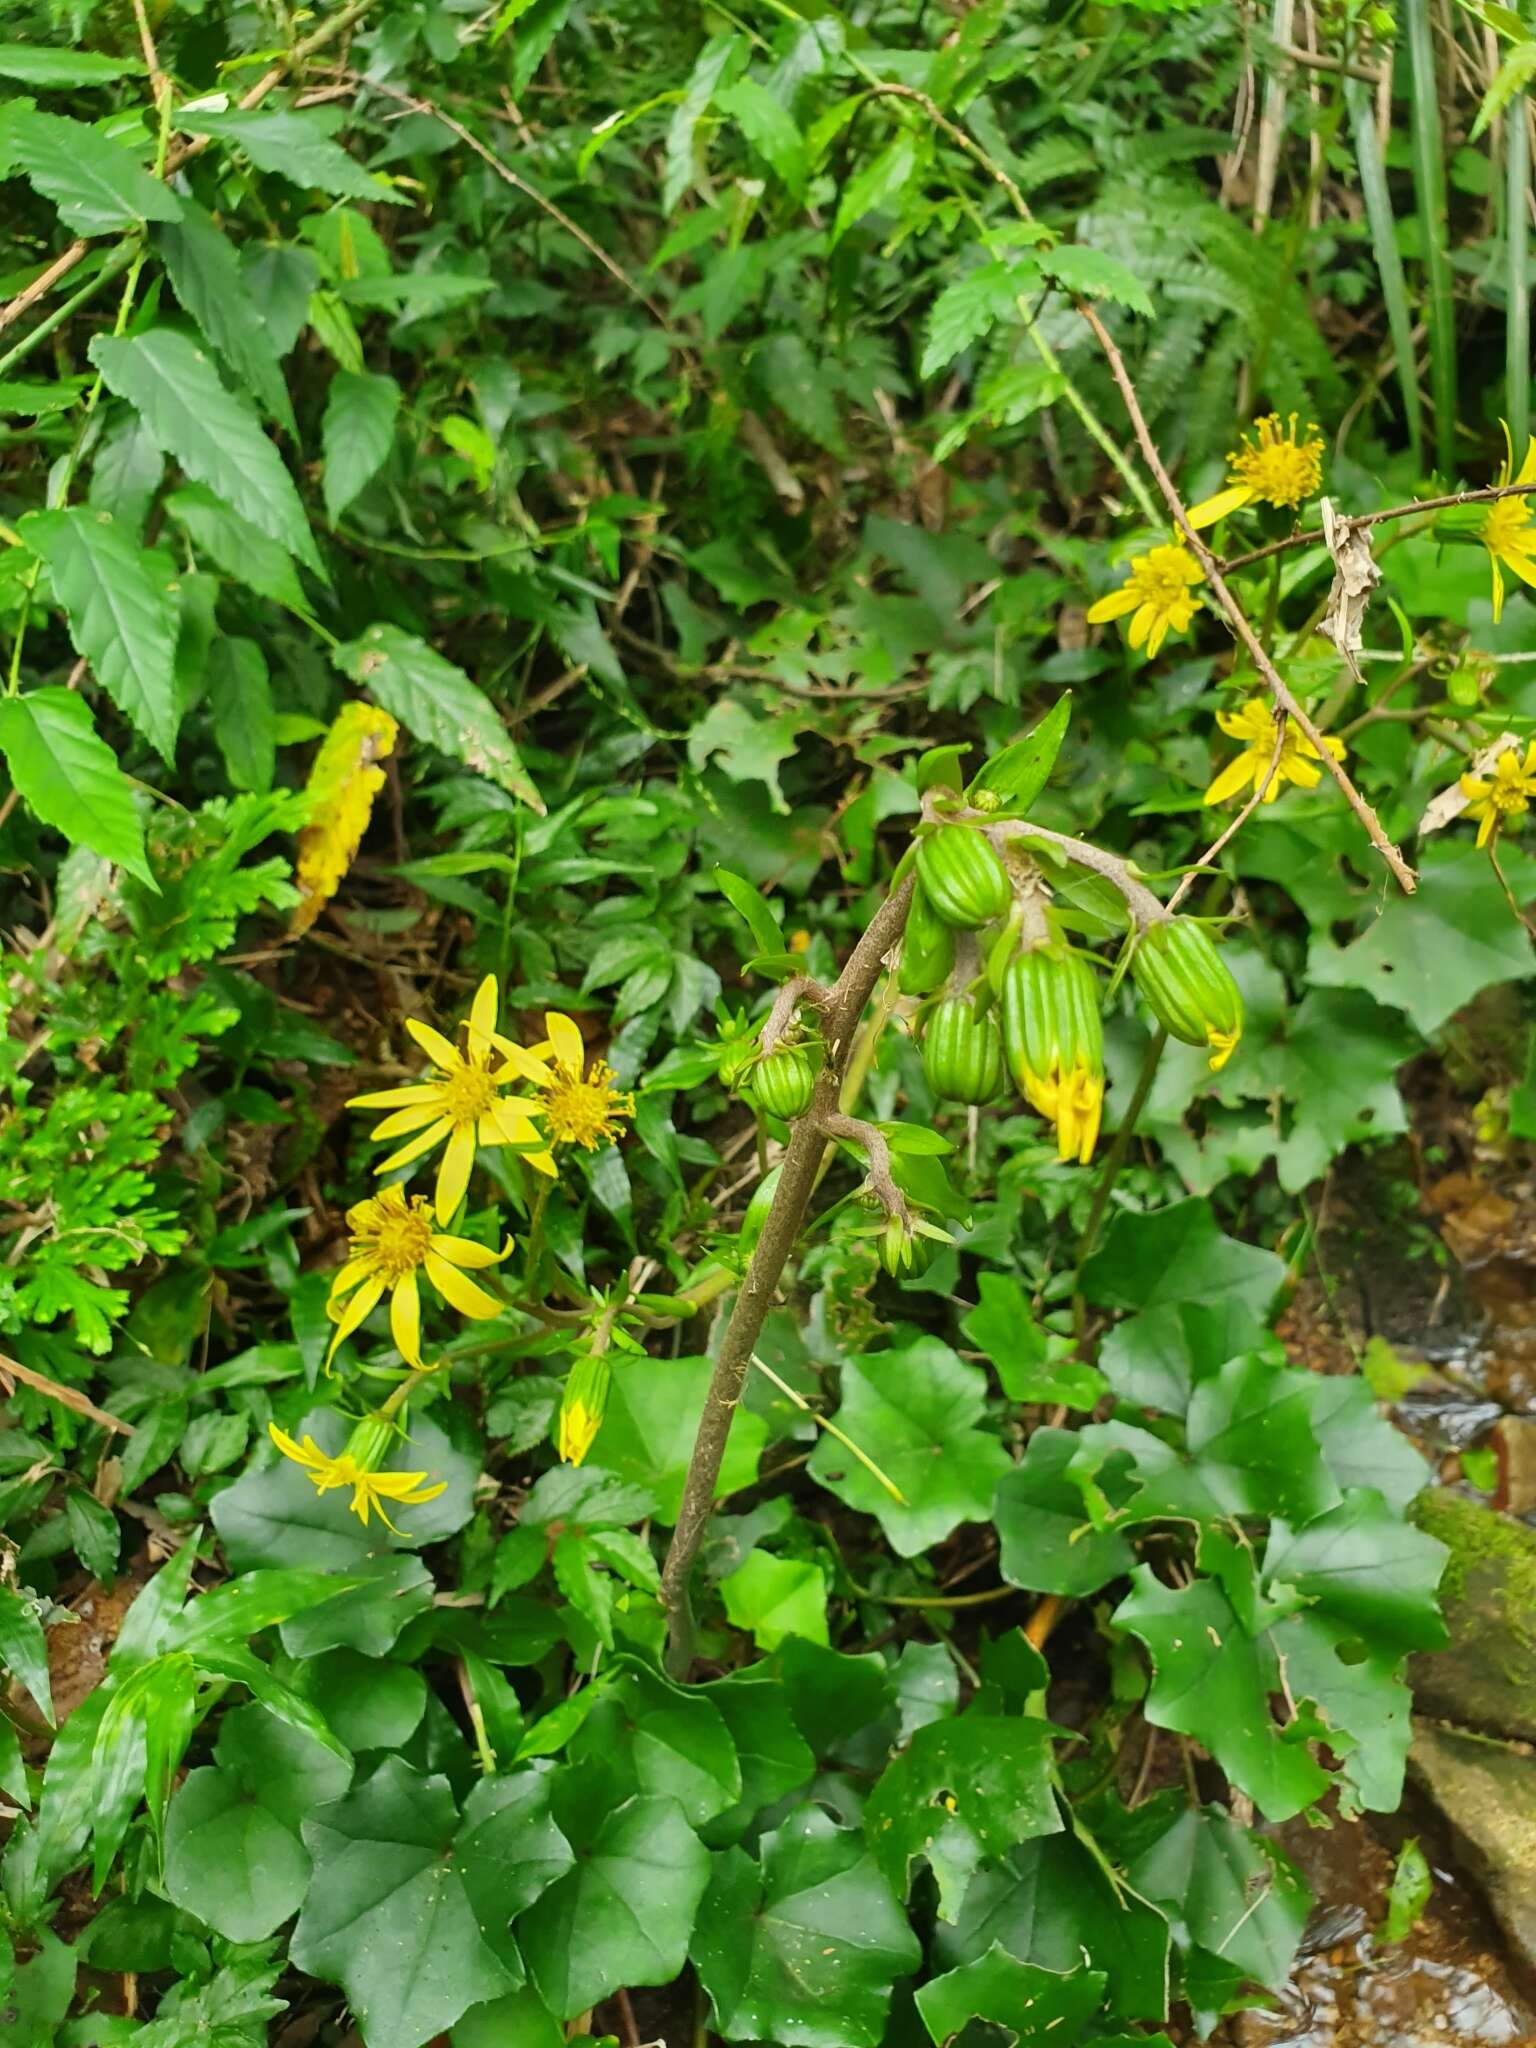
582,1406
1053,1036
1506,793
462,1104
343,782
576,1109
1074,1103
392,1240
1254,722
1508,531
1276,469
352,1467
1157,591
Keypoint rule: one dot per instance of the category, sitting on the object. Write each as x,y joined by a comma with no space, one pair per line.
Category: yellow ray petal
482,1018
404,1121
462,1251
453,1173
397,1098
414,1149
405,1320
570,1050
522,1060
356,1312
1209,510
432,1043
1115,606
1235,776
459,1292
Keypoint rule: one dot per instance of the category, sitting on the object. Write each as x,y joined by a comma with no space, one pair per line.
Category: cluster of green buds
1005,993
1188,987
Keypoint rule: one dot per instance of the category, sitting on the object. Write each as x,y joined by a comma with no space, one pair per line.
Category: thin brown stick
1237,618
67,1397
798,1173
1313,535
63,264
158,81
489,157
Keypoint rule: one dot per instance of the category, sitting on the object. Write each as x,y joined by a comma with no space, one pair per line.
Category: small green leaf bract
1018,774
767,932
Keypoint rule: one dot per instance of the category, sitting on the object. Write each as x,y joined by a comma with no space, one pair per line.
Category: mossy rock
1487,1795
1485,1678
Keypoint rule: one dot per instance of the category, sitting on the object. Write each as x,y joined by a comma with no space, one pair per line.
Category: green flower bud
1188,987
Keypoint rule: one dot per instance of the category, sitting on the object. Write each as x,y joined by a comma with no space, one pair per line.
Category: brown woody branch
855,1131
1313,535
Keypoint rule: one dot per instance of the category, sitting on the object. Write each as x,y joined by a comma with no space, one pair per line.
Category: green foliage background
678,419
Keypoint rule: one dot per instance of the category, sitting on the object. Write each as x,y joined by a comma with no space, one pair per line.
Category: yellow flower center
392,1233
1508,791
1277,467
1506,528
468,1092
584,1112
1162,577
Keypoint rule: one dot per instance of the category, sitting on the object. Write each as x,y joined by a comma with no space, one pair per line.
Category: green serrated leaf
437,703
1093,275
357,434
30,64
70,777
214,435
97,186
207,278
969,308
120,601
295,143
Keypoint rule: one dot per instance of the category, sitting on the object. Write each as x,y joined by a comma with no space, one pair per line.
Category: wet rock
1486,1792
1485,1679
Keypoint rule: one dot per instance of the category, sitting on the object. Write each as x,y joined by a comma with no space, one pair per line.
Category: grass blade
1517,272
1389,263
1429,200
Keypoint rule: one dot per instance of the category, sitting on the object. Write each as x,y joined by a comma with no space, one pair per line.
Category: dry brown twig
12,1370
1236,617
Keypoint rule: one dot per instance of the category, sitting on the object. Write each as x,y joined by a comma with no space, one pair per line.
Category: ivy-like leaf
963,1790
803,1949
624,1914
1026,2003
914,1411
1211,1679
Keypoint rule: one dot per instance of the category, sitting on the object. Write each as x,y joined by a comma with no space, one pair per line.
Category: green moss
1477,1535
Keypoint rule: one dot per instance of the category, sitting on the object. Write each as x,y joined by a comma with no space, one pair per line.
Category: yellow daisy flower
1508,530
575,1110
1276,469
1504,794
462,1104
1157,591
351,1467
1254,723
392,1240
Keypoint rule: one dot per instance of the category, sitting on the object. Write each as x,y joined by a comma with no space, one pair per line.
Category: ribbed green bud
1188,987
962,877
1053,1038
962,1052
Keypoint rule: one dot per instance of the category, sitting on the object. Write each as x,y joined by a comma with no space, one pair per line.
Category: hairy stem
797,1177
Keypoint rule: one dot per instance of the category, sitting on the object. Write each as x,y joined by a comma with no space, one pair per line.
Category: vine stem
840,1016
1237,618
